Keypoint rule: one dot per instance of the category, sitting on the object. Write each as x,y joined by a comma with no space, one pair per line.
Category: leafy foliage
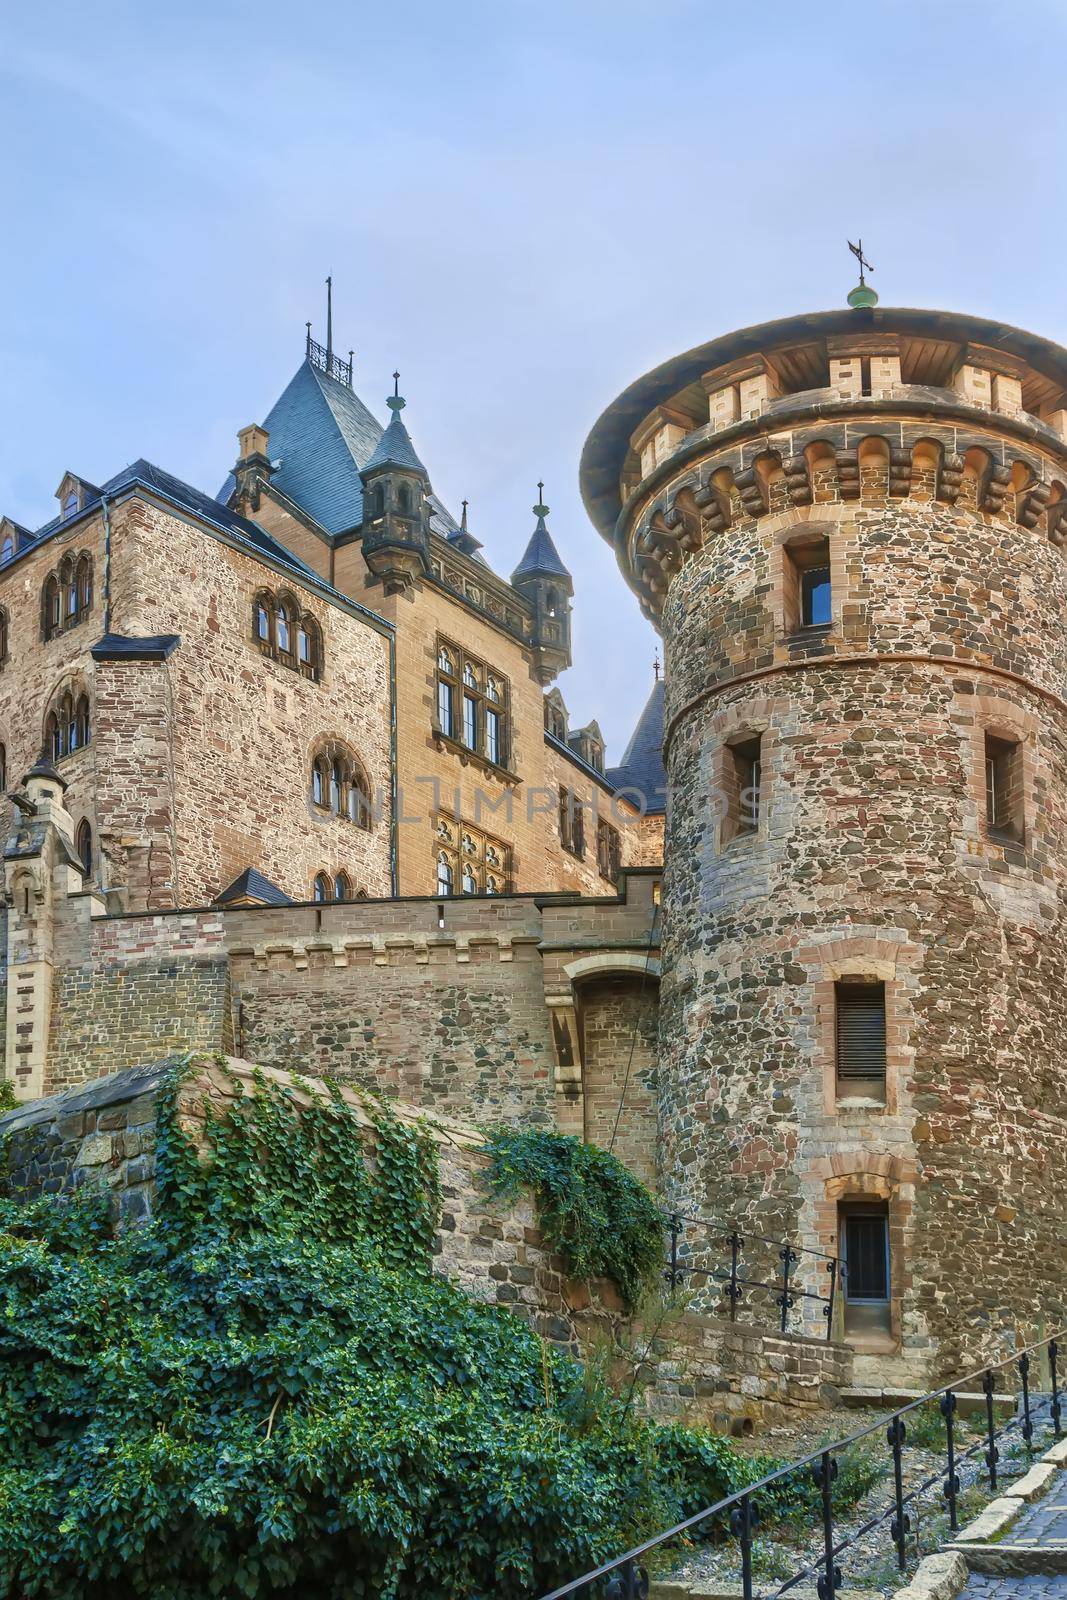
7,1096
594,1212
266,1392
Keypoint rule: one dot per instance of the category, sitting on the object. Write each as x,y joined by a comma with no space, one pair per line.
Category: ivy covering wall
267,1391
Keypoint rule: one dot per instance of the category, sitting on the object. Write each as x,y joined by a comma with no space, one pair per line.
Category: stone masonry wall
243,728
443,1005
103,1133
873,858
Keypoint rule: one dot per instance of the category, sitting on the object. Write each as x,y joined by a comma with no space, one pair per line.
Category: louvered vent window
860,1040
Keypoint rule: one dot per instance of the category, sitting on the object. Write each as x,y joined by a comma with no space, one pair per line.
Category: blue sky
524,206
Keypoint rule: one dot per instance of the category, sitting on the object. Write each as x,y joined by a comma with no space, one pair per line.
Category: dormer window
7,550
70,503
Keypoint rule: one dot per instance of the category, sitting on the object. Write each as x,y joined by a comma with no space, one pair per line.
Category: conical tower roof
394,448
542,559
642,767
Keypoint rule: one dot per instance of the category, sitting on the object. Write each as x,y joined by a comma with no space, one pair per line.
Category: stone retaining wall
686,1365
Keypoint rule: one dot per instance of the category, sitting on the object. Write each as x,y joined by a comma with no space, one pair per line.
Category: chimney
253,464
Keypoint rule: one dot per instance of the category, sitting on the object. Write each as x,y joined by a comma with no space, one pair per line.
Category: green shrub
595,1213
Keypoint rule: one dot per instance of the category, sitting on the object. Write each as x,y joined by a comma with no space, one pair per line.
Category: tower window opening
815,597
744,776
865,1254
1003,787
860,1036
808,592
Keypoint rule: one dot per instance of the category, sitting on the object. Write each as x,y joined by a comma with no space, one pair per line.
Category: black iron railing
625,1578
328,362
721,1268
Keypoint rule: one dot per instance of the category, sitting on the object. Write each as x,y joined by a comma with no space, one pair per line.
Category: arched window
339,784
444,874
281,630
403,499
551,602
321,888
7,549
50,606
68,725
372,502
68,583
309,647
85,584
261,610
342,889
320,780
470,882
3,636
85,846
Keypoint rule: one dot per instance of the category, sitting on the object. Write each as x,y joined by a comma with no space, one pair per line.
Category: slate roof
252,885
394,448
322,436
542,559
641,767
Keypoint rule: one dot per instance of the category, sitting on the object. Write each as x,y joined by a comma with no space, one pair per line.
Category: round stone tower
850,530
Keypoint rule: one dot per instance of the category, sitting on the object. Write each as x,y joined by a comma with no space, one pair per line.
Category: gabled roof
641,767
251,885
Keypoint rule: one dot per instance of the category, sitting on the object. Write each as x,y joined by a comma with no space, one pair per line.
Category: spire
542,559
394,448
655,666
463,538
862,297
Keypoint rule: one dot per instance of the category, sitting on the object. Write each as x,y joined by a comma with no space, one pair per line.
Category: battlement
782,415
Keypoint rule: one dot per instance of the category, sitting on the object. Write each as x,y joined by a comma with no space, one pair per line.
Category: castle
290,781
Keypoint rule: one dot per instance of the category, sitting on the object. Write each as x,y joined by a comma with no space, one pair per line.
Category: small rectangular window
808,590
815,598
745,777
860,1040
571,823
608,851
1003,788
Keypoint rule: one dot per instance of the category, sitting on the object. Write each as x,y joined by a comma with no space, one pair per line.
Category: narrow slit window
1003,787
745,780
860,1040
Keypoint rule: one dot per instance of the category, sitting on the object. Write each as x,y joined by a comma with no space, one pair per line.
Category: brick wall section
697,1367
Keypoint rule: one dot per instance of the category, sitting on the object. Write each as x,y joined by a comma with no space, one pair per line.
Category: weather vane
865,265
862,298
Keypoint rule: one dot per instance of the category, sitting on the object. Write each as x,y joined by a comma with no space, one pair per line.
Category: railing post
1054,1410
992,1455
630,1582
1027,1429
901,1523
733,1288
744,1519
824,1471
828,1308
952,1482
672,1274
787,1255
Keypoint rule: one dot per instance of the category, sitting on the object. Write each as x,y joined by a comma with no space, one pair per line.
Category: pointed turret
544,582
396,516
641,773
